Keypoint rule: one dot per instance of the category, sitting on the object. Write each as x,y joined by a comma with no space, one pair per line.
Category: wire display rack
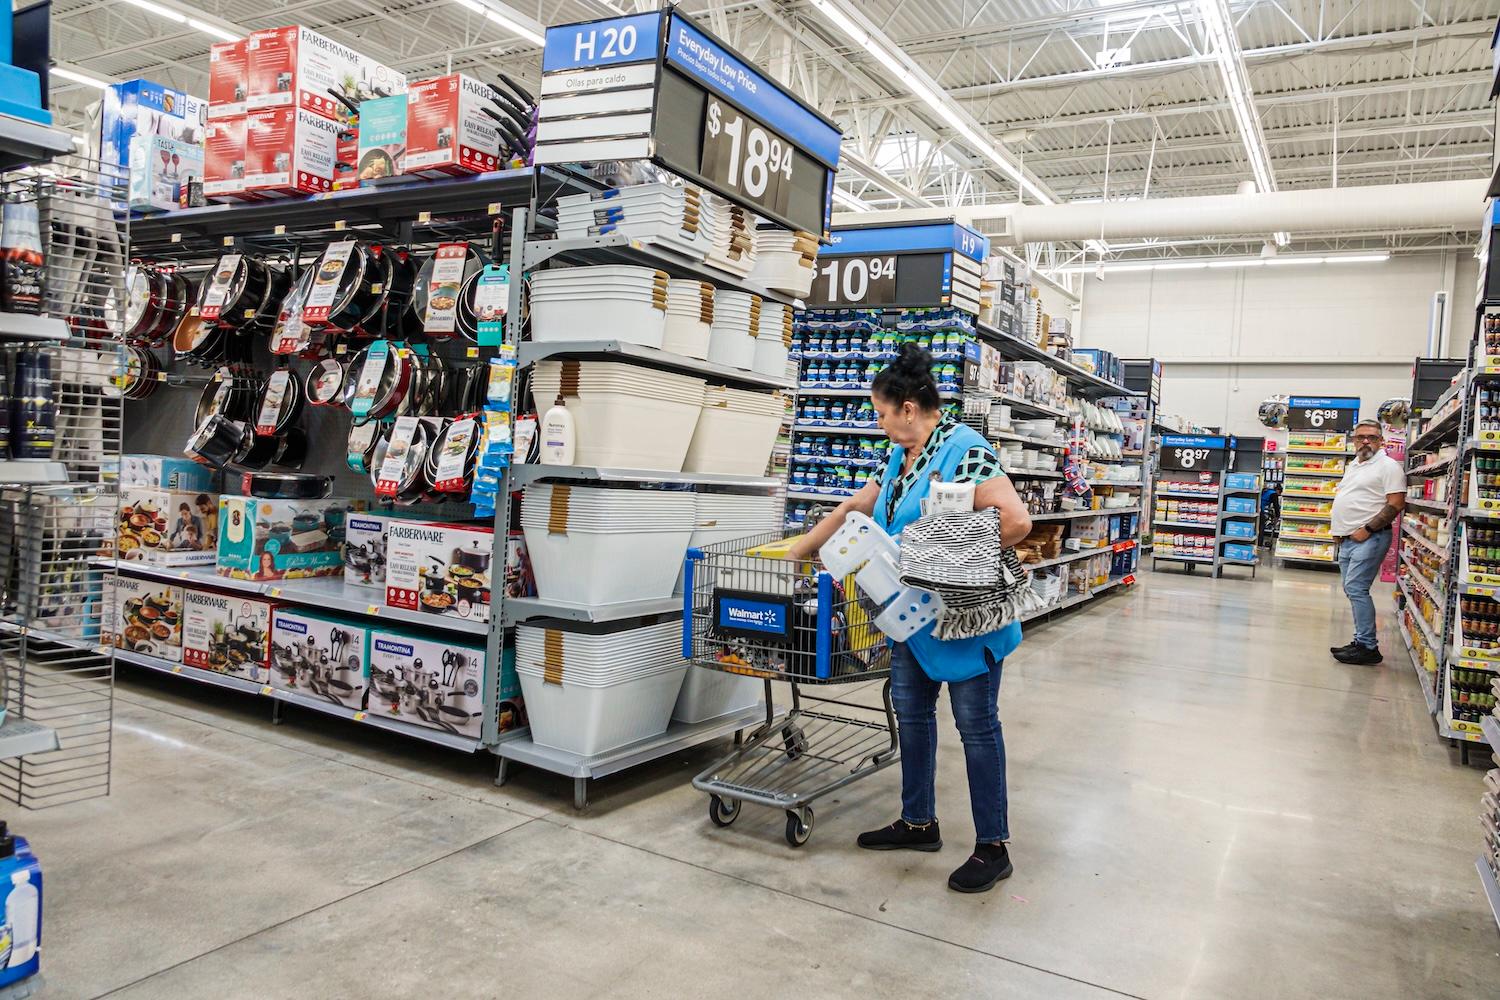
762,616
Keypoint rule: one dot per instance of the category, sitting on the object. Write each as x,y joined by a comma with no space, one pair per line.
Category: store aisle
1204,804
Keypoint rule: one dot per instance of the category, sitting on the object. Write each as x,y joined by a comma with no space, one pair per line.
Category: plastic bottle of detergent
21,934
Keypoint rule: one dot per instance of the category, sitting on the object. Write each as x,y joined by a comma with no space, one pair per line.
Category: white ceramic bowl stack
736,432
625,416
785,261
668,215
590,545
731,233
618,301
773,341
588,692
735,327
690,317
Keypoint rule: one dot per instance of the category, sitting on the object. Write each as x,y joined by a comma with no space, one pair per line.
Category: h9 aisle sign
1194,453
1322,413
656,86
932,264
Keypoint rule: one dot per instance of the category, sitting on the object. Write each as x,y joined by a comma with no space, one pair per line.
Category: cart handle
825,626
688,566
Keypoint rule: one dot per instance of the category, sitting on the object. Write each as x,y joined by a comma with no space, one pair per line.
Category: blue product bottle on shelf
838,448
21,932
841,342
836,411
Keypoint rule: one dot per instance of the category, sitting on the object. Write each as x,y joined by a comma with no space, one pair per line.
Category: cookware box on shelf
433,682
319,657
295,67
164,471
146,618
447,131
443,569
224,161
167,527
227,80
228,633
282,539
289,151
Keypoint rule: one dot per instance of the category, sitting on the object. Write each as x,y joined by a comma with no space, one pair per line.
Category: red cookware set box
447,128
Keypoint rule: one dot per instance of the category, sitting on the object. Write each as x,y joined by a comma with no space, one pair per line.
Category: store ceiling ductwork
1435,205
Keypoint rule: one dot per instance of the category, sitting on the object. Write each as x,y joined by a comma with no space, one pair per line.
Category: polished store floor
1204,804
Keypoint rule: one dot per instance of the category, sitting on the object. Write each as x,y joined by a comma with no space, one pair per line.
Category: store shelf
1476,444
1033,474
1236,562
1436,506
1431,469
1423,676
863,392
1200,525
1127,484
1087,383
531,472
1416,613
1433,547
1073,600
1436,432
1479,515
29,471
1302,557
679,736
1068,557
1325,473
1316,451
520,609
853,463
20,326
1307,496
870,430
533,351
617,248
813,496
1016,402
19,737
1296,515
1062,515
213,677
1184,495
1182,559
1422,581
1303,536
329,592
1491,889
23,141
1039,442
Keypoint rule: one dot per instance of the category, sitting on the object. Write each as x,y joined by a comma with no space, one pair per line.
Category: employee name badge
369,378
455,456
218,288
491,298
388,479
275,400
326,285
442,290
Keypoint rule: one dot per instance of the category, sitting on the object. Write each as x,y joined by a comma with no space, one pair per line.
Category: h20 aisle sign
1322,413
1194,453
893,265
656,86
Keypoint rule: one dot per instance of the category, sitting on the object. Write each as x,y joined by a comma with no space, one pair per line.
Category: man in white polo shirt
1370,498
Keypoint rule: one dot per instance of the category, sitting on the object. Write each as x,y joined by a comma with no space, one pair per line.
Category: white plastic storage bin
736,432
707,694
773,342
736,323
620,301
726,517
786,262
690,317
625,416
604,546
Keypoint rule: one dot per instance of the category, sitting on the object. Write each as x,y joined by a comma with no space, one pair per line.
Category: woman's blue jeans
976,711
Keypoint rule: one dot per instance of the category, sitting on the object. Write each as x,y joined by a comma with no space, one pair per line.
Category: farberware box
320,657
146,618
447,131
167,527
294,67
443,569
229,633
290,151
227,82
224,161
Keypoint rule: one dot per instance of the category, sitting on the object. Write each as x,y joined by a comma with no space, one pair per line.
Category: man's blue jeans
976,711
1359,562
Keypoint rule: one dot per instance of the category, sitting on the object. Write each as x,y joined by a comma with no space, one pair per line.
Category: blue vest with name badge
953,659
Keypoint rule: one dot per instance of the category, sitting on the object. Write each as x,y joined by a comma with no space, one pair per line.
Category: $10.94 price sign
856,281
742,154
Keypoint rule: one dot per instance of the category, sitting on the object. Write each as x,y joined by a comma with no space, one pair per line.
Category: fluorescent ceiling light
509,20
67,74
1180,265
1197,265
185,16
159,10
209,29
1359,258
1291,261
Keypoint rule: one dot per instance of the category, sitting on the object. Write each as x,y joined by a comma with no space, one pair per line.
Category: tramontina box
443,569
319,657
430,682
228,633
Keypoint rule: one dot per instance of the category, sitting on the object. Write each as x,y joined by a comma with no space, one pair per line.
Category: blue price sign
596,44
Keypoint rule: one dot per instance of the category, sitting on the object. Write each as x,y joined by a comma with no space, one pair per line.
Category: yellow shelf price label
1487,435
229,241
280,230
338,226
373,609
359,716
176,670
266,689
274,592
423,218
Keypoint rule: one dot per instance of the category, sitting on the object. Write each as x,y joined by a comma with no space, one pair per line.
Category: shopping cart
747,611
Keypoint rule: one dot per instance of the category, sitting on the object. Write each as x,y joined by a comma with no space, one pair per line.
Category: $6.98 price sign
744,155
1317,418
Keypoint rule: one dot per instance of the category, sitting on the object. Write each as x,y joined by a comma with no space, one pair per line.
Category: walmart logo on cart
757,616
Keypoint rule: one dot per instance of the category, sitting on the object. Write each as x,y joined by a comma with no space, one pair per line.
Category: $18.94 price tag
741,154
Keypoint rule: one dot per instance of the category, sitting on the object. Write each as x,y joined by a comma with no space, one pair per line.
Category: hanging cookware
137,371
291,335
216,442
286,485
349,282
235,291
381,381
398,471
155,302
455,455
386,316
361,448
280,402
439,284
325,382
256,450
292,451
230,393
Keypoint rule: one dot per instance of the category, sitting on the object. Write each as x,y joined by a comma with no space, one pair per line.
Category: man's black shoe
987,865
1363,656
901,835
1336,650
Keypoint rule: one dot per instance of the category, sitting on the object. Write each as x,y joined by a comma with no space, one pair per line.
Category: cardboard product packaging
447,131
382,138
295,67
227,633
224,161
157,135
289,151
167,527
346,157
364,550
282,539
437,683
227,81
442,569
164,471
520,581
319,657
146,618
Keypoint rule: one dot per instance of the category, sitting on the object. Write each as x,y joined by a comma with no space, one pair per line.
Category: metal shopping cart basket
747,611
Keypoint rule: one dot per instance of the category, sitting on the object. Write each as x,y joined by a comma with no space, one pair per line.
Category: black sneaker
1336,650
987,865
1363,656
901,835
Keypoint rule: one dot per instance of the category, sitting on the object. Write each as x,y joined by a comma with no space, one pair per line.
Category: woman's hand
863,501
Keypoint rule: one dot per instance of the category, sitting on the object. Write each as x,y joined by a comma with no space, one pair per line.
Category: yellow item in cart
862,634
775,550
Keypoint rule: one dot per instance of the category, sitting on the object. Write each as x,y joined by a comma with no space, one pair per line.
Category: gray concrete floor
1203,804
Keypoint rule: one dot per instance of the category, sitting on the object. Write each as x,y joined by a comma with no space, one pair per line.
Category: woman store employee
930,442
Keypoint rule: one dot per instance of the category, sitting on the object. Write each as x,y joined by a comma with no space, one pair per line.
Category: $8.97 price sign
1185,459
742,154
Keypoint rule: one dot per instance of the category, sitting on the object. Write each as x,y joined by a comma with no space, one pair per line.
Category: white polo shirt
1362,491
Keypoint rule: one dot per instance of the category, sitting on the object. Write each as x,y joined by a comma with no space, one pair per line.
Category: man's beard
1366,452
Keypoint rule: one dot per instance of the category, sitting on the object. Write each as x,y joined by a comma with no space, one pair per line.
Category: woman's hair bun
909,378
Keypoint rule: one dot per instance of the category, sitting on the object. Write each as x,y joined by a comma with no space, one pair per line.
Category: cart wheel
723,811
795,741
798,828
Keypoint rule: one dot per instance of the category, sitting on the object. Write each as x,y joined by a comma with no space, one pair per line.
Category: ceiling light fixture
1229,262
512,21
159,10
68,74
195,19
209,29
